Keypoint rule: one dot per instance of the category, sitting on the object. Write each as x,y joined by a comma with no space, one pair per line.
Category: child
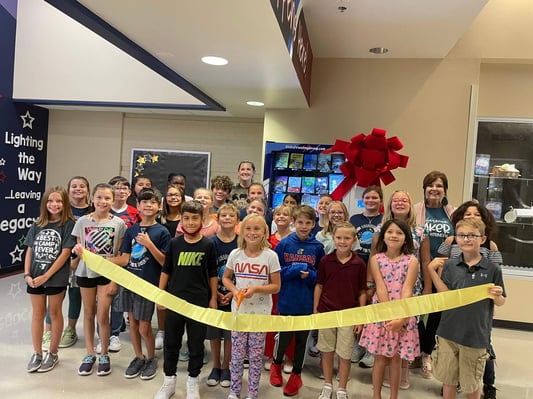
209,226
79,197
256,284
450,249
46,272
366,223
292,200
225,242
221,188
283,220
463,335
169,217
190,273
256,191
341,284
138,183
101,233
337,213
239,192
178,179
143,252
298,254
322,212
394,269
130,215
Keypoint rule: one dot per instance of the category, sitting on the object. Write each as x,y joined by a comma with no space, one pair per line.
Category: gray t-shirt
469,325
101,238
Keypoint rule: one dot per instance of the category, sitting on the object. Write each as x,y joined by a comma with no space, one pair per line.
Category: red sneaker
293,385
275,375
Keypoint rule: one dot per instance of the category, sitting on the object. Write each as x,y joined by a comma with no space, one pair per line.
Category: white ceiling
178,33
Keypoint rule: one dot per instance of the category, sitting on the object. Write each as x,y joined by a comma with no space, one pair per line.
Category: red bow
369,159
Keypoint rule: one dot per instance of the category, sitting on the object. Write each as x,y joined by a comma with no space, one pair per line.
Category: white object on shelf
513,214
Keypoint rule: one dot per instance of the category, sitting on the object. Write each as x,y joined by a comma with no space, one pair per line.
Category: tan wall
506,90
98,144
518,300
424,102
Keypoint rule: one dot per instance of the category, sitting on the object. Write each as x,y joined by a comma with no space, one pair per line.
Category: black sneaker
214,377
104,365
489,391
135,368
49,362
34,363
87,365
150,369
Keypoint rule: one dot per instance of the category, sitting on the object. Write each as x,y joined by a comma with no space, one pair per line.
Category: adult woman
435,215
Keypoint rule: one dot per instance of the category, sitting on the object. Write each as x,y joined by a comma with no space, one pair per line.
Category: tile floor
514,368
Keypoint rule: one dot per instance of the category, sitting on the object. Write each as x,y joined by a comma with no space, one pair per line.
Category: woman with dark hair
435,215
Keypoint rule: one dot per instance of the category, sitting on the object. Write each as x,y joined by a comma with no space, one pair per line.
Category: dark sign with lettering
291,20
24,135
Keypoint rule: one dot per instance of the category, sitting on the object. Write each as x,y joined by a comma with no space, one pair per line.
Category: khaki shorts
456,363
340,340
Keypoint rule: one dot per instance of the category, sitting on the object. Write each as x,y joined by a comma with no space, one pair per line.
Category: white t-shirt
253,272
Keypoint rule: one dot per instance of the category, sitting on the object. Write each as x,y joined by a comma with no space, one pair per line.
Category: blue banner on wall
23,143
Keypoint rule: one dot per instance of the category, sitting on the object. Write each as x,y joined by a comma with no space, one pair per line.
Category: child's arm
497,292
381,287
270,288
437,281
121,260
226,280
316,299
27,266
425,259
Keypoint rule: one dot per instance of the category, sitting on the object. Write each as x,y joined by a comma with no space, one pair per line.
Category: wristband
27,275
370,284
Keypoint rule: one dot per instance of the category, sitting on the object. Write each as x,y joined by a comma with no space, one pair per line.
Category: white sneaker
327,391
159,339
167,389
114,344
193,389
341,394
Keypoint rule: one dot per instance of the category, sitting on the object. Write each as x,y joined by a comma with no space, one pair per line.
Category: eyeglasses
402,200
169,195
467,236
336,213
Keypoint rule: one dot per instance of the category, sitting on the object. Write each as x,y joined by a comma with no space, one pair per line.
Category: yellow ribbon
407,307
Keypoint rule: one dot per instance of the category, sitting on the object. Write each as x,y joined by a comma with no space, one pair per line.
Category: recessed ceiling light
379,50
212,60
255,103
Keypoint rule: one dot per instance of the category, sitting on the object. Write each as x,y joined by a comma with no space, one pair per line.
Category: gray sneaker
367,361
49,362
35,362
135,368
150,369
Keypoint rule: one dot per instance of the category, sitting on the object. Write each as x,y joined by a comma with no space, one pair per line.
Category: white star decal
27,120
2,162
16,254
14,290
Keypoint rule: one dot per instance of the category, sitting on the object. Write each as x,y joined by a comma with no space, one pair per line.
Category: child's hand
437,263
161,307
496,291
78,249
358,329
111,288
395,325
143,239
226,299
304,274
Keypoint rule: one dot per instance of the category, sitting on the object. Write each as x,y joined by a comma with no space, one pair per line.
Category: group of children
211,262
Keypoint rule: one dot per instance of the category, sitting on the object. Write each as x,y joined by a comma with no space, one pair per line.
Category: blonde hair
283,208
345,225
204,190
241,242
228,207
328,227
389,215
